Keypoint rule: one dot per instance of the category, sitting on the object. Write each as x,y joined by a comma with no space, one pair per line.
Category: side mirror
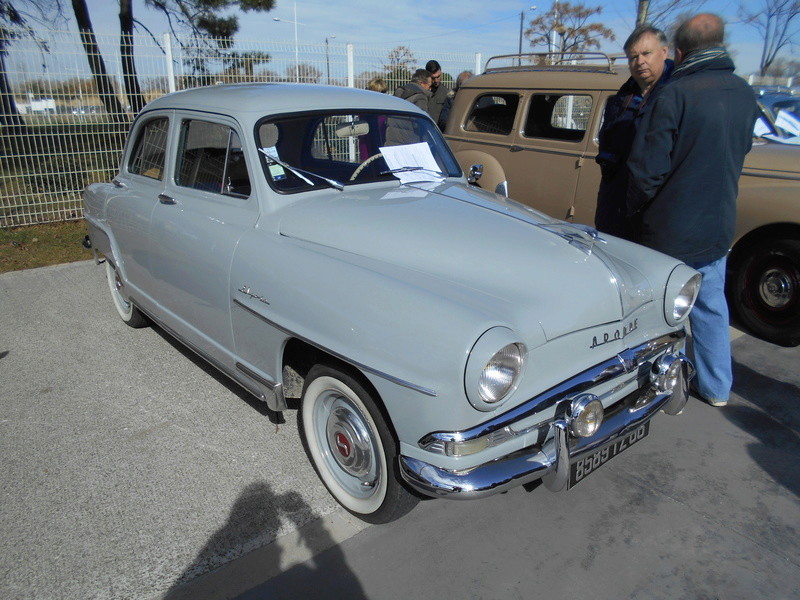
475,173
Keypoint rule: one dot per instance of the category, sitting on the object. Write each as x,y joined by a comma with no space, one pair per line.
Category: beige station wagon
533,128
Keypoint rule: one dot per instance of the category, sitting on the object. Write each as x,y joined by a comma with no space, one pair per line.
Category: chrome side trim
279,403
355,363
749,173
627,361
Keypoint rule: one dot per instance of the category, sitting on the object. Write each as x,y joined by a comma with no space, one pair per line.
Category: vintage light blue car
451,342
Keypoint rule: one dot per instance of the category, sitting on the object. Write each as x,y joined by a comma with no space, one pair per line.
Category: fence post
351,70
170,70
478,63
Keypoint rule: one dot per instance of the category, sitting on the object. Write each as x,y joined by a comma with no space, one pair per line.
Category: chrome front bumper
552,461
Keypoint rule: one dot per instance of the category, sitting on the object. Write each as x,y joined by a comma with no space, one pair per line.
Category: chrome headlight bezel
680,294
494,368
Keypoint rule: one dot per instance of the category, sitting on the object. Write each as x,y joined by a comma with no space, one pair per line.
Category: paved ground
129,470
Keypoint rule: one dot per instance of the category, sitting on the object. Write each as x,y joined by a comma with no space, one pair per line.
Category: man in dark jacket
418,90
684,167
646,49
439,92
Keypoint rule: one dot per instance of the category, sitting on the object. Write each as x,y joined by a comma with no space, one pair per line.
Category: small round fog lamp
666,373
586,415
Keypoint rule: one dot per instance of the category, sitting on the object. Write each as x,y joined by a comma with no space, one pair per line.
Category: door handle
515,148
118,183
164,199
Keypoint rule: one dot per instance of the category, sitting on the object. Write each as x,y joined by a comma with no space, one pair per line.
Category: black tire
764,291
129,314
351,446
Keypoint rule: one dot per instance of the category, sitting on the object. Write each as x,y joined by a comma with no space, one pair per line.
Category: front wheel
765,291
125,308
351,446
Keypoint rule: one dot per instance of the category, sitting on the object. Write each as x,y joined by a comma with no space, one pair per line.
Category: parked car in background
784,108
534,129
451,342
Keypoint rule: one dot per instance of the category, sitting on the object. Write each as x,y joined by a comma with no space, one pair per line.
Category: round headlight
500,374
680,294
494,368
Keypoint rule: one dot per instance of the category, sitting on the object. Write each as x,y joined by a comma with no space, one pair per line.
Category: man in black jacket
684,167
646,50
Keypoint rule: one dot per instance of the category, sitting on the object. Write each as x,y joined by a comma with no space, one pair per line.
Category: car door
206,206
549,150
486,136
589,173
141,180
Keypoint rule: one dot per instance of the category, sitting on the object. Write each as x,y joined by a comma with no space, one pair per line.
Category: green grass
42,245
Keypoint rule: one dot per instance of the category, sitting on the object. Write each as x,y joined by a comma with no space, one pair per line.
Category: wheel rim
344,444
115,285
776,288
772,287
347,444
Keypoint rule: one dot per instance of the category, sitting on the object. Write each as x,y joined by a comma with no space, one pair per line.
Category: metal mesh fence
59,132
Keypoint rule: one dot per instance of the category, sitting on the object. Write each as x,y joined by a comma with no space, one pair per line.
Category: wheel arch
772,231
301,356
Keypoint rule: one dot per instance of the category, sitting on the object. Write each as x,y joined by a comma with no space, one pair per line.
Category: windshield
324,149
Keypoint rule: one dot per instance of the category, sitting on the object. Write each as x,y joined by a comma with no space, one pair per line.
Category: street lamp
521,18
296,45
328,59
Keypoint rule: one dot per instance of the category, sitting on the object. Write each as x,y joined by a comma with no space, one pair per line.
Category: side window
150,150
493,113
210,158
558,117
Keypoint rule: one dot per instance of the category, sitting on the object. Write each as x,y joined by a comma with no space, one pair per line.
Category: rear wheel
125,308
351,446
765,291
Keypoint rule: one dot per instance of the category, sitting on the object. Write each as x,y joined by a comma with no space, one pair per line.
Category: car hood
547,268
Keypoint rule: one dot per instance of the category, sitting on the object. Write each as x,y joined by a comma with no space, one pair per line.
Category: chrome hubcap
349,440
776,289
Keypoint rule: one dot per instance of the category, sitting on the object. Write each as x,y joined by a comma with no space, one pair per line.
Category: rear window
493,113
558,117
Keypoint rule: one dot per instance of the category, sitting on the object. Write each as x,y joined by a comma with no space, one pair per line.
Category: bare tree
567,28
777,22
14,25
661,12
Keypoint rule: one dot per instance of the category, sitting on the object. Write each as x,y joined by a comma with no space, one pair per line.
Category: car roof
271,98
604,75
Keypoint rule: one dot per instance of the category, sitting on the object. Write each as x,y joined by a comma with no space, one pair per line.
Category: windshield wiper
410,169
302,172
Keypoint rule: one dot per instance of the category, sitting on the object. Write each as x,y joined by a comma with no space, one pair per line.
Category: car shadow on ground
257,511
771,413
258,405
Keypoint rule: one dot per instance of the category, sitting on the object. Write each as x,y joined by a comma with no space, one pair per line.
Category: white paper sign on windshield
412,162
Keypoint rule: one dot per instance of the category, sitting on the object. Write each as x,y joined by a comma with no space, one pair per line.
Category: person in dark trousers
418,90
448,103
646,49
439,92
684,171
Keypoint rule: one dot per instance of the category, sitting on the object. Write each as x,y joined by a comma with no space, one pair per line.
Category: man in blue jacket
684,171
646,50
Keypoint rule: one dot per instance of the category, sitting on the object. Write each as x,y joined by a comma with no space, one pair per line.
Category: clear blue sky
426,26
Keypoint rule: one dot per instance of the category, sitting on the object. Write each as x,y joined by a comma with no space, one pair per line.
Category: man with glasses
439,92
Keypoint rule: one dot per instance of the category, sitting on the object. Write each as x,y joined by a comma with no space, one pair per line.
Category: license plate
588,464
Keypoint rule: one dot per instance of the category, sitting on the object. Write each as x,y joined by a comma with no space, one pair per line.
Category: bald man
684,171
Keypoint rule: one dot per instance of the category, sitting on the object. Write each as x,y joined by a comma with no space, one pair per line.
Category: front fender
494,176
410,330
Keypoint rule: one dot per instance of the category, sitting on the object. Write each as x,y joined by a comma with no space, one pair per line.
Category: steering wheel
363,165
